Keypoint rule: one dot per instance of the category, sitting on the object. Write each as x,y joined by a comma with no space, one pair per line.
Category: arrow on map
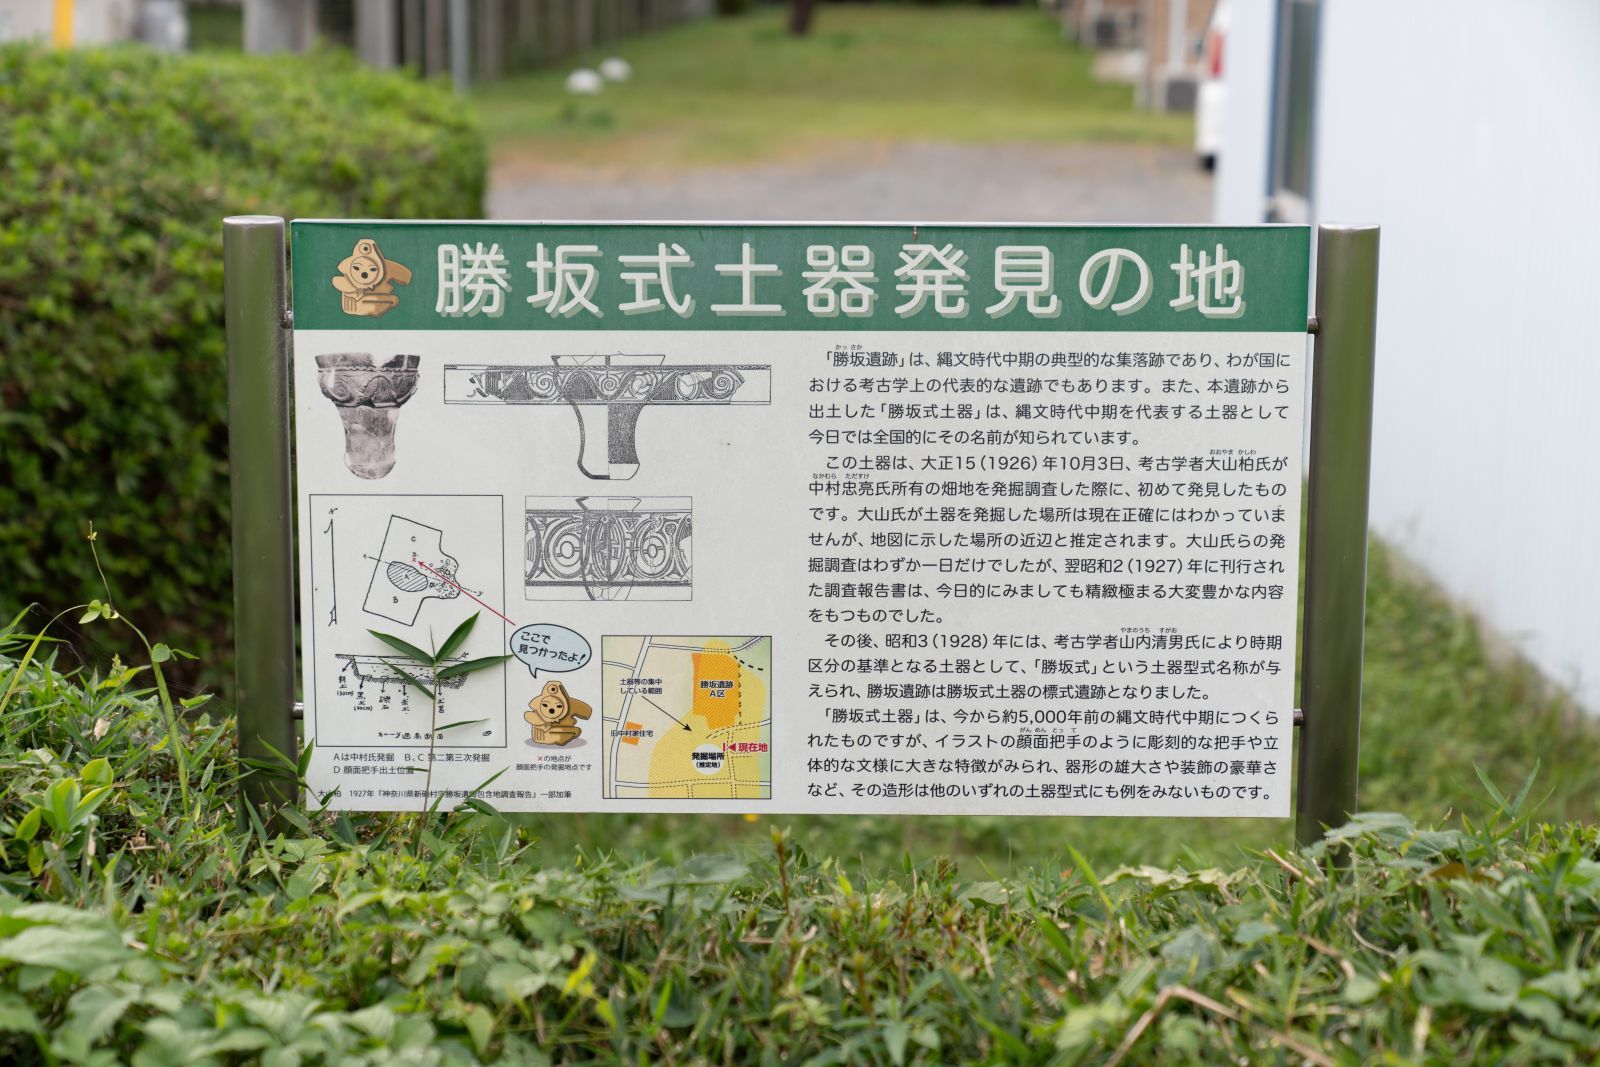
663,711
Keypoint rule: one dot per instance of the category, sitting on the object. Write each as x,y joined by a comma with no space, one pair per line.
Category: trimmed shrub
119,166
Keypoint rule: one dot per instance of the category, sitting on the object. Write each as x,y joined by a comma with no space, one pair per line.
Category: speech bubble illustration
544,646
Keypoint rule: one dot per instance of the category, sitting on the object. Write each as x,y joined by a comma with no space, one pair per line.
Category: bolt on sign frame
259,322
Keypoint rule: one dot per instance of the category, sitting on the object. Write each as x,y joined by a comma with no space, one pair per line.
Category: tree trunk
800,12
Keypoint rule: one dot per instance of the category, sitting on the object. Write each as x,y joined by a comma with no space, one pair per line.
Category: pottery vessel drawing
369,396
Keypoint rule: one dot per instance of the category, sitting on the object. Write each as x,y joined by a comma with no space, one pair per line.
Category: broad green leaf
1360,989
983,892
95,1009
28,828
91,800
77,949
895,1036
16,1016
96,772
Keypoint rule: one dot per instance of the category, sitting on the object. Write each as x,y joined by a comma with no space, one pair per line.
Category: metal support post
1336,537
377,33
256,310
279,26
460,45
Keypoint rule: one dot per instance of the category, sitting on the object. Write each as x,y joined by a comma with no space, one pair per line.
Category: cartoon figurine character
554,715
366,280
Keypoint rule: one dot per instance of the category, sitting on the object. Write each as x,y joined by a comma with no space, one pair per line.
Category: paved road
901,182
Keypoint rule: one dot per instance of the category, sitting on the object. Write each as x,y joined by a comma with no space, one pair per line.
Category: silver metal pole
255,308
1177,36
377,33
460,45
1336,527
279,25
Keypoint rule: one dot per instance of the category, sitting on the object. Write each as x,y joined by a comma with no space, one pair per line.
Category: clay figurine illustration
366,280
368,397
554,715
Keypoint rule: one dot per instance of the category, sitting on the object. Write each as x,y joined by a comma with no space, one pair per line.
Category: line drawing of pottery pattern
608,548
368,396
608,393
410,567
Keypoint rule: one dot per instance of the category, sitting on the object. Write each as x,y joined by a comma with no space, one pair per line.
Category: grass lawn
141,923
1436,707
741,88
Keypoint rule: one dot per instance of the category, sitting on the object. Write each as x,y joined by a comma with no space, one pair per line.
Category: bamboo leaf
485,784
402,646
456,670
407,675
458,636
453,725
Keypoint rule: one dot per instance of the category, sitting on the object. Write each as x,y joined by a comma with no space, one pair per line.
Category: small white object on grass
584,82
616,69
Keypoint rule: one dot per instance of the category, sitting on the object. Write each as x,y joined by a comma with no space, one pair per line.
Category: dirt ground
892,182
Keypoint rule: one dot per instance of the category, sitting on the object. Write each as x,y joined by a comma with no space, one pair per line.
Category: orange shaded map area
716,689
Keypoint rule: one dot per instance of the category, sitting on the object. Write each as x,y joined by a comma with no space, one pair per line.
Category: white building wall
1470,130
1240,190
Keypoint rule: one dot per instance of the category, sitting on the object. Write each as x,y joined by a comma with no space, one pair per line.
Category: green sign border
1275,261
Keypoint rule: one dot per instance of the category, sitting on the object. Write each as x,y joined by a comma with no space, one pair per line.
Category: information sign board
801,518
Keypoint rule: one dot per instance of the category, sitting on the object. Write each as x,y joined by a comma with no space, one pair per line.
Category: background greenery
119,166
143,921
742,89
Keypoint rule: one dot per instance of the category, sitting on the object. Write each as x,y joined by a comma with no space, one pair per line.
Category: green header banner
386,275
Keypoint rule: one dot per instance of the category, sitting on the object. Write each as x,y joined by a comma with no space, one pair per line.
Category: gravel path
899,182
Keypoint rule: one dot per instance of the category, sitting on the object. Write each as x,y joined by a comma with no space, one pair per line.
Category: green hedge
119,166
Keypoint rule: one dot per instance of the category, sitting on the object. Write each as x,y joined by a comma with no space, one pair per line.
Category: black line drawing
608,548
369,397
380,671
608,394
410,567
352,700
333,571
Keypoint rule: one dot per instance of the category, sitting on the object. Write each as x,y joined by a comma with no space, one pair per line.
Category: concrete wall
94,21
1471,131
